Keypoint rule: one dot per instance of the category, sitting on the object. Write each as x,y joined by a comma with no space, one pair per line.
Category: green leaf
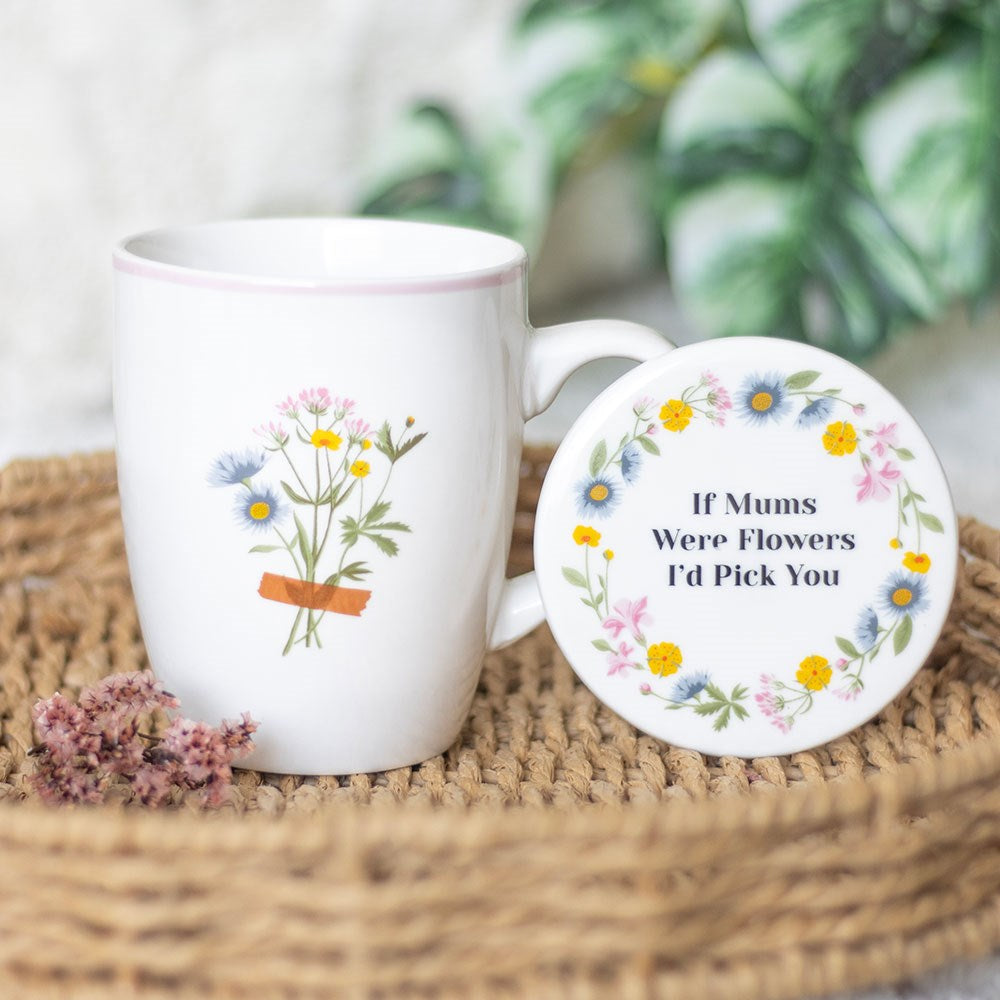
304,547
801,380
908,499
901,637
408,446
390,526
603,645
384,543
930,522
352,571
904,453
598,458
376,512
847,647
722,721
739,693
383,441
648,444
267,548
741,712
574,576
708,707
715,692
302,436
295,497
351,531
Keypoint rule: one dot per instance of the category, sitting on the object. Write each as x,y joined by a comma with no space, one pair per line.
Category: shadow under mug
319,426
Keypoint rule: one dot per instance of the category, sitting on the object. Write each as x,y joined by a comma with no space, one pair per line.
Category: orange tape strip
315,596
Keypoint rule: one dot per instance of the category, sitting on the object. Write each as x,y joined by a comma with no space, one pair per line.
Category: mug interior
322,250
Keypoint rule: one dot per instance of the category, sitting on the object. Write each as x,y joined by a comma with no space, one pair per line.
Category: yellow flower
609,554
840,438
583,535
410,421
895,543
366,444
360,469
260,511
676,414
814,673
664,658
326,439
918,562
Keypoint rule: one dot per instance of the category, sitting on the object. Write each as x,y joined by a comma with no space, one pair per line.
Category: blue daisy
259,508
866,631
631,462
816,412
597,496
235,467
762,398
903,594
690,686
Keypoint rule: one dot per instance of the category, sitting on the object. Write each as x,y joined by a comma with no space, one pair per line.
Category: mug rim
134,255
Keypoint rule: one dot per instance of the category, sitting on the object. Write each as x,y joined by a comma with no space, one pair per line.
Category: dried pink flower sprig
84,747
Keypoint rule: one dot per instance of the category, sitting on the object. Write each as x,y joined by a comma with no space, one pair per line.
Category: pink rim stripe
130,264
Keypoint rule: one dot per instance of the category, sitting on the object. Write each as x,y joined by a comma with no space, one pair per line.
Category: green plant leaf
648,444
904,453
598,457
801,380
295,497
930,522
847,647
304,547
384,543
302,436
268,548
723,720
390,526
376,512
901,637
574,576
408,446
351,530
383,441
352,571
602,644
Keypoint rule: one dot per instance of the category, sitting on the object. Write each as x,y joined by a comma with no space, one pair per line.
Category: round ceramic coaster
746,547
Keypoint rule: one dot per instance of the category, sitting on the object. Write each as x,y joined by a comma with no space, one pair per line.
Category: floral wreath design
333,458
762,400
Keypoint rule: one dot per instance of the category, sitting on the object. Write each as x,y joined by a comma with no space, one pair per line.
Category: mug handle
554,353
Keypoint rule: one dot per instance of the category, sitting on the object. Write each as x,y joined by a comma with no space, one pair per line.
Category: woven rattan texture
552,850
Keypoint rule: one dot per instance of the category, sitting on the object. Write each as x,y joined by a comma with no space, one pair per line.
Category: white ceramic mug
319,427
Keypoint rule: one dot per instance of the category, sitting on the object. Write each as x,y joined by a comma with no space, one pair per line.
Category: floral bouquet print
322,504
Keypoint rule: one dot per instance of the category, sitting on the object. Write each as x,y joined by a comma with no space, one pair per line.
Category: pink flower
885,438
710,379
841,664
645,689
289,408
766,702
628,615
138,691
272,432
238,735
651,429
719,397
876,484
643,406
316,401
621,660
61,783
781,722
65,729
848,694
358,429
343,406
858,409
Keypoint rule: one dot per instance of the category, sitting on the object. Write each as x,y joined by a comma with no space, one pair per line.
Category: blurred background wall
569,124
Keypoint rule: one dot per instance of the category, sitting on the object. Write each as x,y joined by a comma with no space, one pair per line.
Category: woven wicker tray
553,850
